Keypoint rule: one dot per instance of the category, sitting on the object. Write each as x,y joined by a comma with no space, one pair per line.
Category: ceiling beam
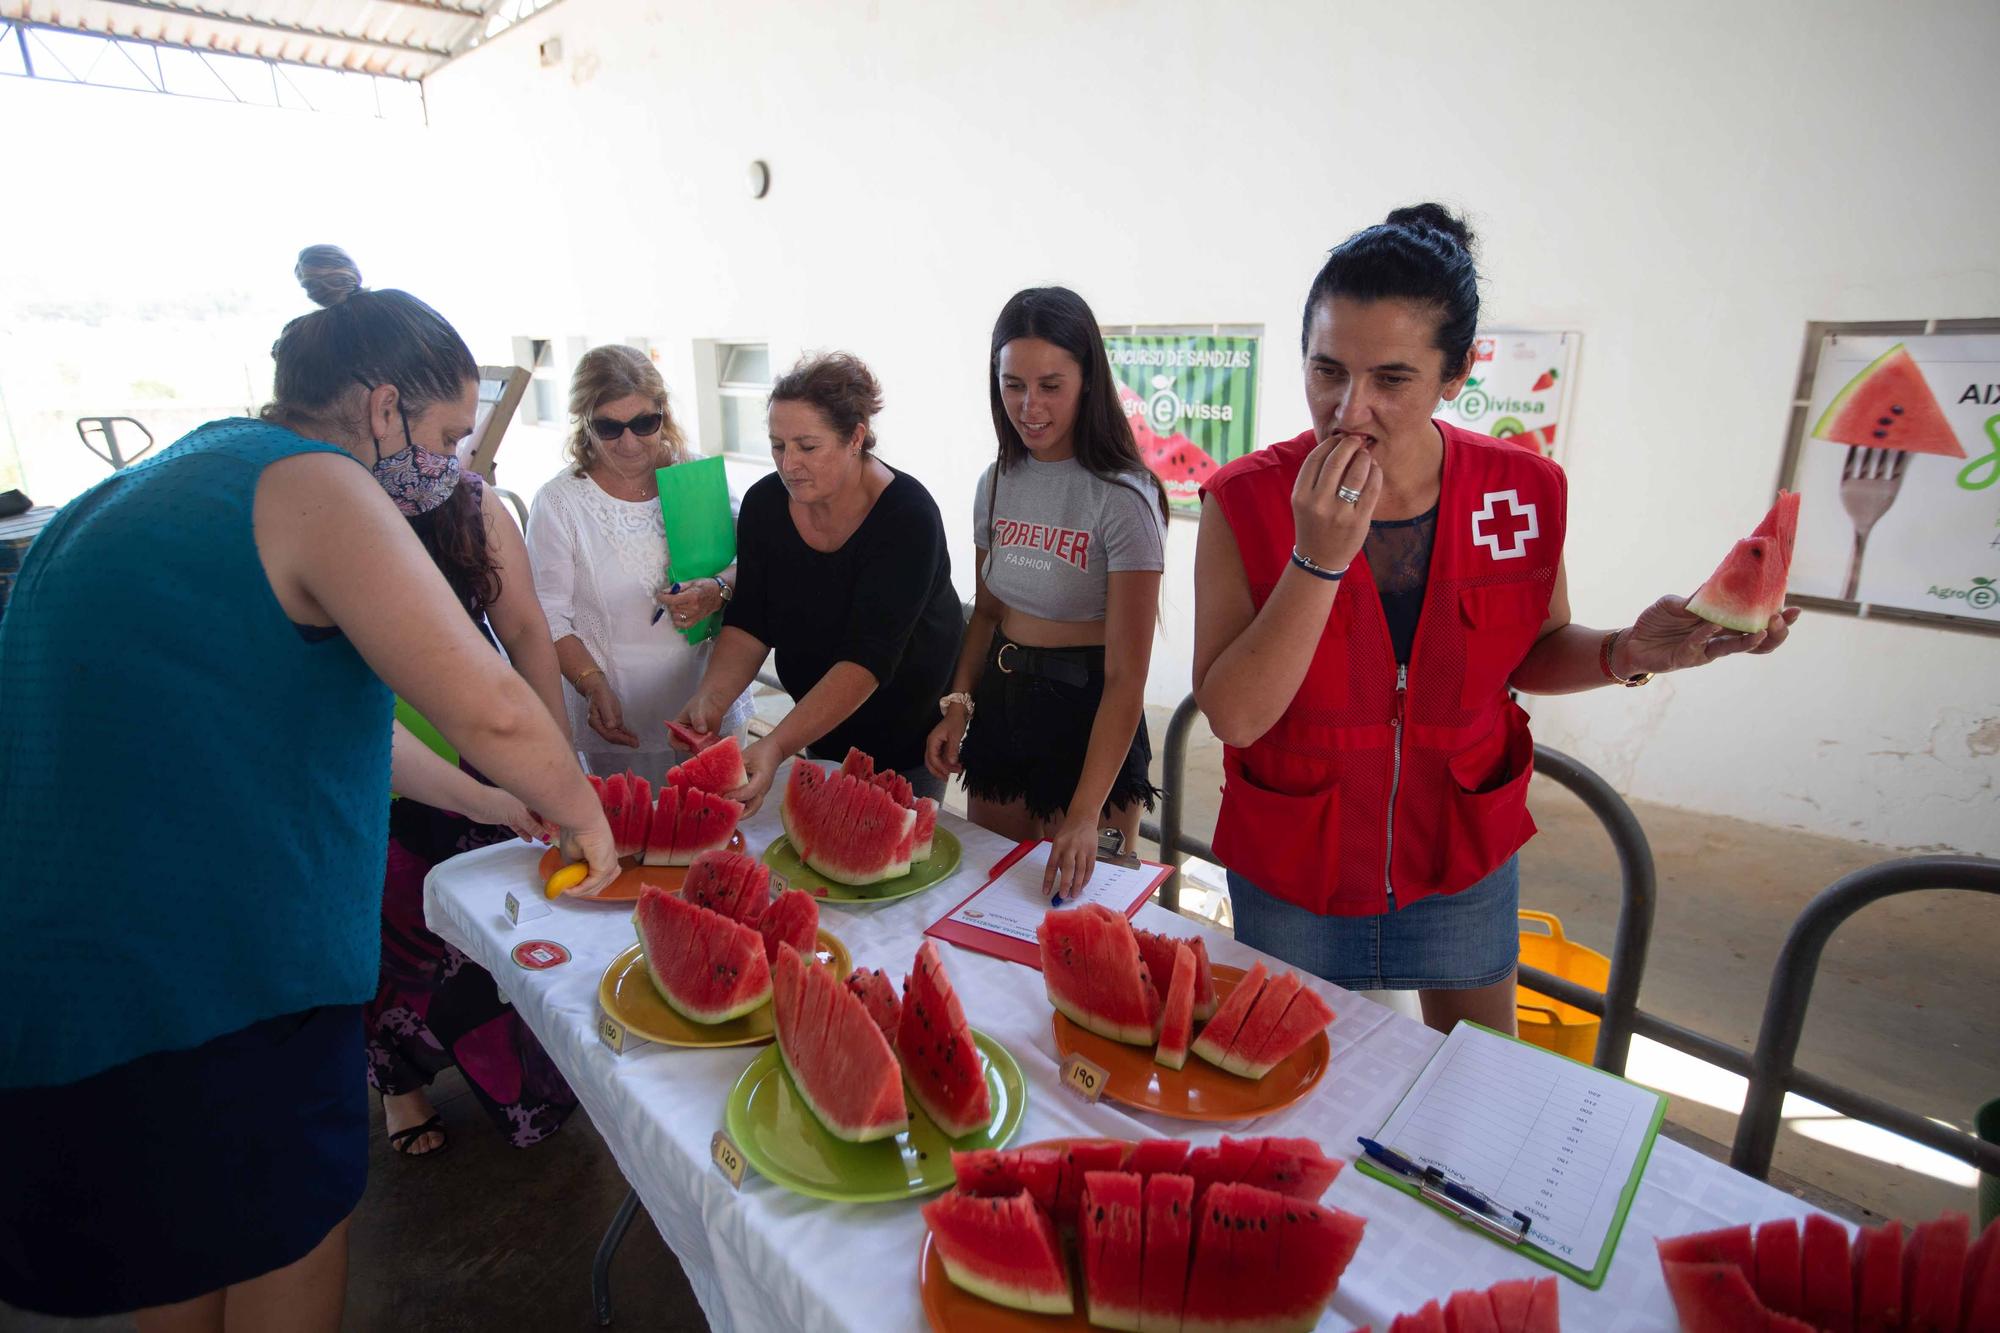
435,7
283,29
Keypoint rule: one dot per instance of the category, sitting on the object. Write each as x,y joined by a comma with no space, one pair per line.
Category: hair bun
1433,217
327,273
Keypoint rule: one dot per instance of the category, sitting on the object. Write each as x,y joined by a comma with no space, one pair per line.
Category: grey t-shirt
1057,532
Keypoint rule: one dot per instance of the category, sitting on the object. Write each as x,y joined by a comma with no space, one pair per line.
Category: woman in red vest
1365,594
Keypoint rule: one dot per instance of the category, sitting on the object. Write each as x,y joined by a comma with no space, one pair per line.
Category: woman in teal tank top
195,725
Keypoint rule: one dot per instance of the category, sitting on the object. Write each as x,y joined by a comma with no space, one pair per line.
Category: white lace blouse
598,563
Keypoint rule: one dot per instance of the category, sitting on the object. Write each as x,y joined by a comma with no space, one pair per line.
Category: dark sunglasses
607,430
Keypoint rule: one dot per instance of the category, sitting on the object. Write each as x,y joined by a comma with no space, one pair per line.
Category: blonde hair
604,375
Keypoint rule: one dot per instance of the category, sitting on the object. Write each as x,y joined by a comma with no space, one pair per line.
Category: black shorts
183,1172
1031,721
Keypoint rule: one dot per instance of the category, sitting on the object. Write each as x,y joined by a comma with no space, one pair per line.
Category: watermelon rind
1746,589
707,968
1001,1249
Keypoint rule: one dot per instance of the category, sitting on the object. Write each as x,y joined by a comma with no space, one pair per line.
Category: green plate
934,869
786,1143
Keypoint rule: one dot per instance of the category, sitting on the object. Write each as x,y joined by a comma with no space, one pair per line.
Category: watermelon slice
1259,1023
838,1059
687,738
1778,1274
708,968
1725,1245
845,827
1295,1168
1158,951
878,996
1215,1040
1826,1298
731,883
792,918
1094,976
1152,1157
1470,1312
924,834
1979,1307
1713,1296
1168,1243
858,764
659,848
1878,1278
1262,1261
1889,406
706,824
1430,1319
994,1171
616,796
1003,1250
1545,1305
639,819
1110,1243
1177,1017
1078,1161
1934,1274
940,1062
1748,587
717,768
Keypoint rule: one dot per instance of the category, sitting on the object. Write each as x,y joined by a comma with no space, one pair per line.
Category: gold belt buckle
1000,658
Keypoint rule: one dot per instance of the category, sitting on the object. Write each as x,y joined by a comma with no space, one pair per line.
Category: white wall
1687,185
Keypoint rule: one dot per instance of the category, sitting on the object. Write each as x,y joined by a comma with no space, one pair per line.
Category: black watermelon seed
1881,434
1885,421
1897,410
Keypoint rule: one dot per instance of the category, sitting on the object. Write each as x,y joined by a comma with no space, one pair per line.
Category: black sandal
403,1138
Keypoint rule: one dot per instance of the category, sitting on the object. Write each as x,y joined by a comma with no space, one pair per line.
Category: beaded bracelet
1305,562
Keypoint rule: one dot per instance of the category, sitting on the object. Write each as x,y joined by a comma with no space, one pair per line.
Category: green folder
701,532
1593,1278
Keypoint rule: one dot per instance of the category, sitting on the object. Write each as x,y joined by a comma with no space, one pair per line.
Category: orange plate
953,1310
625,889
1197,1090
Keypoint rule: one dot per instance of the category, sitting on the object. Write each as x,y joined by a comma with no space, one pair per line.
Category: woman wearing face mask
182,1129
844,572
1365,594
1046,717
599,546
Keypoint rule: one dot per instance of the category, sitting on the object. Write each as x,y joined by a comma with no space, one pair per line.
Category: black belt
1065,666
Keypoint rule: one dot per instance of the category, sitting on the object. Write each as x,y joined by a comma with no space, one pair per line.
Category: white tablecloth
764,1259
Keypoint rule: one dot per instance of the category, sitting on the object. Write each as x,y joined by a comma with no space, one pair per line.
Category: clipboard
1129,880
1560,1073
701,530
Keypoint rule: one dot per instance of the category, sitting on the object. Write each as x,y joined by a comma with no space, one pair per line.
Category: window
743,382
543,404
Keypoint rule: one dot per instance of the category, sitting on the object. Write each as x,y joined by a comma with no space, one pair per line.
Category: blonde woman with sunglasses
598,545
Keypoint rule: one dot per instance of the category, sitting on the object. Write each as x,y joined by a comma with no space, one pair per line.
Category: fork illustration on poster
1869,480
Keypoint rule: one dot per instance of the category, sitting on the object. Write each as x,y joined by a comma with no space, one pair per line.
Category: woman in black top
841,566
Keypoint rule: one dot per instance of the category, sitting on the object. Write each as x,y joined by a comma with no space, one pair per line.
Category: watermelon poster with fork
1897,463
1192,402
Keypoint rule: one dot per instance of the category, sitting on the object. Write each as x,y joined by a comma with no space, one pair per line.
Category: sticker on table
539,955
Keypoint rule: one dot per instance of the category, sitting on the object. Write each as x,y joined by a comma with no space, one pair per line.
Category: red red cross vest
1379,779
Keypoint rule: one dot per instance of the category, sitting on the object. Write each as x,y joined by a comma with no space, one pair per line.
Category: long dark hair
1422,253
1102,436
362,337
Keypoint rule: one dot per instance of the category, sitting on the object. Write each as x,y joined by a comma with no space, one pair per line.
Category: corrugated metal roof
404,39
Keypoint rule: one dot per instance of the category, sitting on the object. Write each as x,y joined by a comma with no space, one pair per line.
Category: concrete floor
490,1238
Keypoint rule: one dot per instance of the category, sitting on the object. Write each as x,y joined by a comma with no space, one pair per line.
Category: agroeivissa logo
1981,596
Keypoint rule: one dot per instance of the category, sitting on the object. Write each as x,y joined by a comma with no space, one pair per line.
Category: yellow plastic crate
1543,1019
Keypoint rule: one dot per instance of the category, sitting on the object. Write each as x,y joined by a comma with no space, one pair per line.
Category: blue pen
659,611
1432,1183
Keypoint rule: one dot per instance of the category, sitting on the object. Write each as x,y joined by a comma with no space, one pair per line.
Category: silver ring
1349,494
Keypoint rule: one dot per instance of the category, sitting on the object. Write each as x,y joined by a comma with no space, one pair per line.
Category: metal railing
1772,1073
1617,1006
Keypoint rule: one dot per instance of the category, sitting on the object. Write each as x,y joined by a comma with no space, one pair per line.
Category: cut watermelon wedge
1470,1312
1980,1306
845,826
1004,1250
1748,587
994,1171
1169,1243
1177,1018
878,996
792,918
716,768
1777,1278
1158,951
1430,1319
1934,1274
1152,1157
1889,406
1262,1261
1878,1278
687,738
708,968
940,1062
1110,1243
838,1059
1094,976
1826,1273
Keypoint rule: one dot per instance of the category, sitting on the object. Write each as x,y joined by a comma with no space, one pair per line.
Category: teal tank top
192,826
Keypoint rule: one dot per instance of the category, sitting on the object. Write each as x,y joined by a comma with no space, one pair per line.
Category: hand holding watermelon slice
1739,609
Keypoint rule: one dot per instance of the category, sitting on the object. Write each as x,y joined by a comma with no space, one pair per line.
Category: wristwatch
1604,663
722,586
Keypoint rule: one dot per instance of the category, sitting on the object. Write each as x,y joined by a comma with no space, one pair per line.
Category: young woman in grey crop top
1046,718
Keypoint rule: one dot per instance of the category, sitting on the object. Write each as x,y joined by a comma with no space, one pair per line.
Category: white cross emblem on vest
1505,535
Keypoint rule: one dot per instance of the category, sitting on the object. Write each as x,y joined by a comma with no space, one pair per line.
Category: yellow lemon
567,878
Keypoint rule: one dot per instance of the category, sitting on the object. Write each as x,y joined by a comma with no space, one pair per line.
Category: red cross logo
1507,534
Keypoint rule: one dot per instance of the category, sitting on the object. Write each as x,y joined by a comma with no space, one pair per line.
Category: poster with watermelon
1520,387
1192,402
1897,461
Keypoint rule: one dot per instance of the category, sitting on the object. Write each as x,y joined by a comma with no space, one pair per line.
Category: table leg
600,1268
